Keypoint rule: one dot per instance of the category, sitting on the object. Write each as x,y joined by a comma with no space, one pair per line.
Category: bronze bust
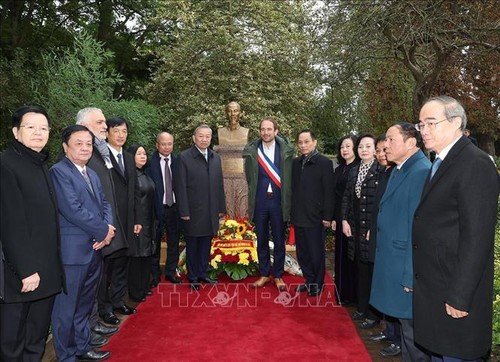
233,134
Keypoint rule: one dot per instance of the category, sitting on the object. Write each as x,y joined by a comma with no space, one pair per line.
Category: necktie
87,180
169,196
205,154
120,163
435,166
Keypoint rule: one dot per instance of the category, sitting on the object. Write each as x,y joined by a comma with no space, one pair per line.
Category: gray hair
82,114
159,134
202,126
452,108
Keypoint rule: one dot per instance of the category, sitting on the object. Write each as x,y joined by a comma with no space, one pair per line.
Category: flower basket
234,250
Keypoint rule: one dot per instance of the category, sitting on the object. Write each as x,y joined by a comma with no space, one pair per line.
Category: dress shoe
110,318
125,310
280,284
137,300
369,323
314,290
149,293
154,283
376,337
94,356
172,279
391,351
103,330
261,282
358,316
208,280
302,288
97,341
194,286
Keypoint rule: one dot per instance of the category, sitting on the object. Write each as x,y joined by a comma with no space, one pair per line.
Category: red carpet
234,322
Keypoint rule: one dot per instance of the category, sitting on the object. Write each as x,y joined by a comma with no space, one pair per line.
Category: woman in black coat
357,206
32,271
344,268
141,248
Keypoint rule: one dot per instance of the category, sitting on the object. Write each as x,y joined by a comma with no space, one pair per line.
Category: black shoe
369,323
103,330
376,337
154,283
149,293
110,318
314,290
172,279
194,286
358,316
208,280
302,288
391,351
94,356
97,340
137,300
125,310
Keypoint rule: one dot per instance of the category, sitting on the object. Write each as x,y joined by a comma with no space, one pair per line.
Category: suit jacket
97,164
153,170
29,224
199,189
393,267
126,194
453,236
84,214
312,191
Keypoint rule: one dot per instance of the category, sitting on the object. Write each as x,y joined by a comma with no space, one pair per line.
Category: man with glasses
453,239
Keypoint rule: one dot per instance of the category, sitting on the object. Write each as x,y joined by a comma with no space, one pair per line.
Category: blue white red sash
270,168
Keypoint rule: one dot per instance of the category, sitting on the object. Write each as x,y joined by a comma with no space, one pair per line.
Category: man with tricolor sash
268,166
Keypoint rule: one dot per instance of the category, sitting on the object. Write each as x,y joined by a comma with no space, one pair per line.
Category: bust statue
233,134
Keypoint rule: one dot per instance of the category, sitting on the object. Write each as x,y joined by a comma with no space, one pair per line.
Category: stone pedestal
235,184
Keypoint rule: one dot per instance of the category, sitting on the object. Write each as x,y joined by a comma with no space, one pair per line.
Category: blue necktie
435,166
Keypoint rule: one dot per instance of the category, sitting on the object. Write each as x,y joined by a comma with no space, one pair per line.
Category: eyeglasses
30,128
431,125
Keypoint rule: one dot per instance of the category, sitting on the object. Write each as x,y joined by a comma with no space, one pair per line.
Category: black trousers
197,256
171,227
113,286
364,286
138,276
310,243
23,330
409,350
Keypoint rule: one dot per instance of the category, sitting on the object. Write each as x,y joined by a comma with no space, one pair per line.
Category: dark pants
310,243
345,269
364,286
197,256
23,330
409,350
139,272
111,293
71,313
452,359
171,227
392,330
268,213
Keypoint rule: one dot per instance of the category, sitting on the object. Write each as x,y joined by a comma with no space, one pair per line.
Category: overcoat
393,266
30,227
97,164
312,197
453,235
199,189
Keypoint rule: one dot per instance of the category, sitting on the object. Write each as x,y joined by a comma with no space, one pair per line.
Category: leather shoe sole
110,318
94,356
259,283
104,330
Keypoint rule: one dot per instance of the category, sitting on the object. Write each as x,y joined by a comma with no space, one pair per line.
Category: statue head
233,112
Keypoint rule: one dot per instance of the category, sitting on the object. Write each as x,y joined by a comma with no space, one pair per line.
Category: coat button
414,246
417,276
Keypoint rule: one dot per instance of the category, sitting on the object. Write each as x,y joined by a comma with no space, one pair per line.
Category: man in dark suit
163,160
199,189
85,222
268,170
111,295
312,210
100,162
453,235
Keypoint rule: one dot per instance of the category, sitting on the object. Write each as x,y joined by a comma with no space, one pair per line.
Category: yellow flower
215,261
243,259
